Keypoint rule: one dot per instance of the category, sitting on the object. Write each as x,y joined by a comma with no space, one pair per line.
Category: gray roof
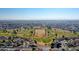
3,37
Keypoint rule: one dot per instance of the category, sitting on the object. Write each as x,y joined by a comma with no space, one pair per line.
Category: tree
14,32
52,45
58,45
56,35
49,27
63,49
74,31
35,41
33,49
31,32
48,33
63,36
4,30
53,40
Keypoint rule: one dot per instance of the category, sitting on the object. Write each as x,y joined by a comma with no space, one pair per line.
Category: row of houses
65,44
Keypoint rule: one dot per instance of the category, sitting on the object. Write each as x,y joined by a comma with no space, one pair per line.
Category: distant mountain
41,21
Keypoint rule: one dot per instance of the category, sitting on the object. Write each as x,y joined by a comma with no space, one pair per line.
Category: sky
39,13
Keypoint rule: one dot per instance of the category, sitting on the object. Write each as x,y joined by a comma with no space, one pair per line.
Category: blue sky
39,13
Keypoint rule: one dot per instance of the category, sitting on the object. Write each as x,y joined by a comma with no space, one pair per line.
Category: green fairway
52,34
